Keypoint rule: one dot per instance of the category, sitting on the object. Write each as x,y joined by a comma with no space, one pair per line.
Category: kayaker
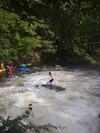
51,81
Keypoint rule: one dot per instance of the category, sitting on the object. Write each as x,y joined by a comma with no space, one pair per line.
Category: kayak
51,87
23,69
26,65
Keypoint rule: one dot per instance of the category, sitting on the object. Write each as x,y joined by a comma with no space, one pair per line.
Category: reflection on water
72,104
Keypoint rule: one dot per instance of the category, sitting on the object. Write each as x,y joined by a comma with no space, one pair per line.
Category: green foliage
54,26
17,37
48,47
17,126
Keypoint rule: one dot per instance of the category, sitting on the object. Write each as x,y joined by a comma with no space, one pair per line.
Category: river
73,109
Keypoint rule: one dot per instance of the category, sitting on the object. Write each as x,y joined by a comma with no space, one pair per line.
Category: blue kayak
23,69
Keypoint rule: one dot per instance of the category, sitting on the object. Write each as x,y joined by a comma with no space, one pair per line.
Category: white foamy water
73,110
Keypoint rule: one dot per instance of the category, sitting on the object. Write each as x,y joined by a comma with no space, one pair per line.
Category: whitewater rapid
73,110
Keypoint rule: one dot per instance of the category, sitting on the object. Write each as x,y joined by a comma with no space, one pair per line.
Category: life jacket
2,71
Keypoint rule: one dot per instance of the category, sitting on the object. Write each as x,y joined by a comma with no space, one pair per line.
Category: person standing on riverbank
9,71
2,70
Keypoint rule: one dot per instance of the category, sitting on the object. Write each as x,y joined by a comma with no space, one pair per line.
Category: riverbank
39,66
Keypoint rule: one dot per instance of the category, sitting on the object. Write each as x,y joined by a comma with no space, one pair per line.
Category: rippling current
73,109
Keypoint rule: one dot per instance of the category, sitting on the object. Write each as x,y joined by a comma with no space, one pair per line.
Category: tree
62,28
